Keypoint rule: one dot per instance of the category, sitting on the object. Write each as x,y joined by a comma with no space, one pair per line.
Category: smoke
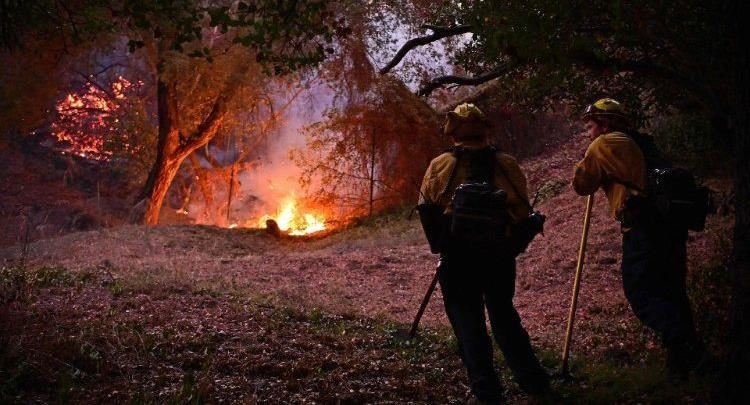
275,178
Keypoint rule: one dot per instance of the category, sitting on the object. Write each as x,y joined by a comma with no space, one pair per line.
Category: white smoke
276,177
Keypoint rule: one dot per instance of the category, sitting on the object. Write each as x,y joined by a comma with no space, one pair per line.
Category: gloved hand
536,222
526,230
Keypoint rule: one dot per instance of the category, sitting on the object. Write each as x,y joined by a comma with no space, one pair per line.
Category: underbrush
690,140
88,337
710,291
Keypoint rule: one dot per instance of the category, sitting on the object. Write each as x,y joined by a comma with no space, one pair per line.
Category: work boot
678,368
682,358
536,384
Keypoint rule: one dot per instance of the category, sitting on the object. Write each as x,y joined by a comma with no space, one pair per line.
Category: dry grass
136,313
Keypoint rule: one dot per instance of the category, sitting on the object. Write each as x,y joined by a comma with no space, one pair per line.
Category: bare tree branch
440,81
703,92
438,33
90,80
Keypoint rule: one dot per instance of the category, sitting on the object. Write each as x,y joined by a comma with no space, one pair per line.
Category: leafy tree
375,139
238,148
369,154
201,55
281,37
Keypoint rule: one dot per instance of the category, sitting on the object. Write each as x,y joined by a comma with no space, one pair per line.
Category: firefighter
474,279
653,251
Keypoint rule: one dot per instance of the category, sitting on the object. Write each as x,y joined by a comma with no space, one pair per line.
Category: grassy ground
91,337
191,314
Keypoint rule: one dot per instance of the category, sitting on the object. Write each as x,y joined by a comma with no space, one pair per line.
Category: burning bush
90,123
294,220
111,124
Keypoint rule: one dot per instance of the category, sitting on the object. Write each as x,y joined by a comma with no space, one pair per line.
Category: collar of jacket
472,143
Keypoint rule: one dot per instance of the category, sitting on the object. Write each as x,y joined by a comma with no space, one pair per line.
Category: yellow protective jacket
439,172
611,158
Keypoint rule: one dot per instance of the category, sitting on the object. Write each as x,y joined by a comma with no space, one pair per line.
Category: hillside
277,319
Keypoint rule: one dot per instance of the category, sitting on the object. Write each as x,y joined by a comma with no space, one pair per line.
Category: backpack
672,196
479,219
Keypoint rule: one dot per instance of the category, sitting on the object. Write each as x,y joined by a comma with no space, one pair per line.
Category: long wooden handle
576,284
425,301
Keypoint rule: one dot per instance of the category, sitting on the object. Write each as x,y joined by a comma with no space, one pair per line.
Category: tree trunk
734,381
162,180
206,188
165,168
372,171
232,174
173,147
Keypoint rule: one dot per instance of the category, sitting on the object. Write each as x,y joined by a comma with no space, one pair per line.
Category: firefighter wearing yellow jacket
654,252
472,279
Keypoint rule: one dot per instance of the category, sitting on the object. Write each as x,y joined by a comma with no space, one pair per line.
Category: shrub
688,140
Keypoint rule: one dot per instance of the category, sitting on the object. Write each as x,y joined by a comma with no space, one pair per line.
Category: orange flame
294,222
85,120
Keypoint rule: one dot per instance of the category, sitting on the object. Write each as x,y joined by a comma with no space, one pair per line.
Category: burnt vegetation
316,120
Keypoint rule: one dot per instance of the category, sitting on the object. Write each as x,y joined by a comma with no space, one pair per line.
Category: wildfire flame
86,119
293,222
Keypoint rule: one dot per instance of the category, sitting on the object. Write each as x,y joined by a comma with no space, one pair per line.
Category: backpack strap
456,152
653,159
513,186
627,184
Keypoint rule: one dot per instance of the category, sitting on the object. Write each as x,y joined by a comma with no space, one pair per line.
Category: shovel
425,301
403,334
576,286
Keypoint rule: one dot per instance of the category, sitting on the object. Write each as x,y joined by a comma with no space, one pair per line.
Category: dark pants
469,283
653,277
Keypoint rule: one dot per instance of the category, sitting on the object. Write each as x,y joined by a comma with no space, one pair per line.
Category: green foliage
688,139
285,35
13,284
50,277
550,189
16,282
648,54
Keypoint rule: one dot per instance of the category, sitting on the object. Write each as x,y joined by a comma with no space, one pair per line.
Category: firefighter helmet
605,108
465,112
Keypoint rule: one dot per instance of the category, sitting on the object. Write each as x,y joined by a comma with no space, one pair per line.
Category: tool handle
425,301
577,284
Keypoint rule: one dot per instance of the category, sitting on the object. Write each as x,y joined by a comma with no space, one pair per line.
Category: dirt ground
377,271
382,270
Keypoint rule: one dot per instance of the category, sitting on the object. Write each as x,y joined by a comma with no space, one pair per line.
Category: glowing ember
86,120
293,222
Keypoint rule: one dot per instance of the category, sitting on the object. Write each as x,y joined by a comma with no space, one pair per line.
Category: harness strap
625,183
452,176
513,186
457,151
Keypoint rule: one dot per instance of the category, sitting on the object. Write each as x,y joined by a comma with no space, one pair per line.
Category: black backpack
480,218
672,196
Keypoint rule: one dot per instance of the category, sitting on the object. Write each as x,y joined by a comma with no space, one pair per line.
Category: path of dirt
383,271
